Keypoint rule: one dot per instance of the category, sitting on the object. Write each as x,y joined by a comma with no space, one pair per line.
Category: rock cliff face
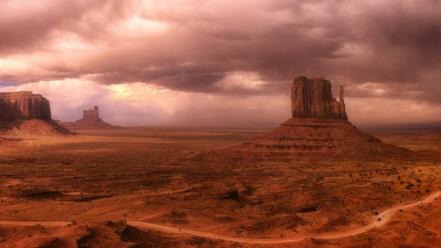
23,106
313,98
23,114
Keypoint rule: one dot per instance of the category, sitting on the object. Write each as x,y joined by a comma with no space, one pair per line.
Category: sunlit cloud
241,81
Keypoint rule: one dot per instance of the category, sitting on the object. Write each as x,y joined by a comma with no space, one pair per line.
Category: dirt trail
175,230
48,224
379,220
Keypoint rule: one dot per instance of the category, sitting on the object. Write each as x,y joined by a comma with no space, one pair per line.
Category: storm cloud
377,49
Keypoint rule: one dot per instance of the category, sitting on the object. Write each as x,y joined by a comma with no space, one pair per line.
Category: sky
222,62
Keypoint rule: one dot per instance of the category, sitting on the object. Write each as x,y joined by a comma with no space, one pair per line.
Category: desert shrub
178,214
84,240
201,242
40,194
249,191
308,209
233,195
145,239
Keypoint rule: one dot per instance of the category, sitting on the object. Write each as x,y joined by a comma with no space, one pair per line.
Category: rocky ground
80,191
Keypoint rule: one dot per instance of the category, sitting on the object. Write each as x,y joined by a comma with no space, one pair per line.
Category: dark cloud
394,44
30,25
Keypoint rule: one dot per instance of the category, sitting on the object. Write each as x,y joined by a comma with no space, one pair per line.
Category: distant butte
25,113
91,120
319,127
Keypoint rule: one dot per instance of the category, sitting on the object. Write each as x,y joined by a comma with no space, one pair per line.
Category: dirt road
379,220
48,224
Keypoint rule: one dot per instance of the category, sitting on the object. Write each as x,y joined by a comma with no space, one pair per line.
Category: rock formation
91,120
23,106
25,113
313,98
319,128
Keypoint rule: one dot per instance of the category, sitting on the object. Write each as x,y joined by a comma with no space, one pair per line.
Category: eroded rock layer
23,106
318,137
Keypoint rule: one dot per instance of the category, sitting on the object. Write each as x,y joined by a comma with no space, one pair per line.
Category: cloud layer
380,50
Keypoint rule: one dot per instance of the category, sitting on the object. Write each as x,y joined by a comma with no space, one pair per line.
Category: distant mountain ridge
403,127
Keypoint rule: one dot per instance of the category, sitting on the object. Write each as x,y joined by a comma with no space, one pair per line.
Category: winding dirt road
208,235
48,224
379,220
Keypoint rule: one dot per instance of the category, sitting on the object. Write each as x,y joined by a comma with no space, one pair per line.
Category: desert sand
164,187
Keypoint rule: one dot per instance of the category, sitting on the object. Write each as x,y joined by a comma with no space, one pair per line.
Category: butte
91,120
25,113
319,128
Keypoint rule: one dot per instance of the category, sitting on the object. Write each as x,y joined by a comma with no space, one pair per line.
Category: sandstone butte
91,120
25,113
23,105
313,98
319,128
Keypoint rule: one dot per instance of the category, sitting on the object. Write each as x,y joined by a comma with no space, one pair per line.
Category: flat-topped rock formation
91,120
25,113
319,128
313,98
23,105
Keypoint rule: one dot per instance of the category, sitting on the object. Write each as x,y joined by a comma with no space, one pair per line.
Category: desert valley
218,124
316,181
